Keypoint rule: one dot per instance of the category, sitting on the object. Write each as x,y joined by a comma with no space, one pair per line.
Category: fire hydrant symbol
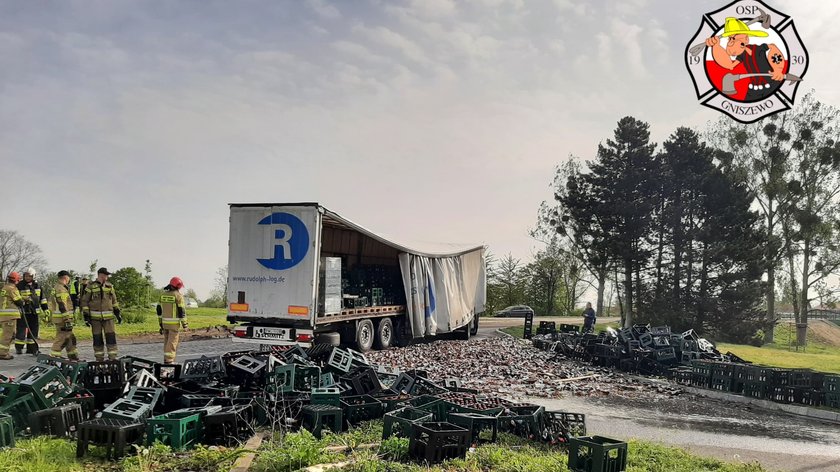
746,60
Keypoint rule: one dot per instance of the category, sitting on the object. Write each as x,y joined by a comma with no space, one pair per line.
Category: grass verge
511,453
817,355
44,454
139,322
298,450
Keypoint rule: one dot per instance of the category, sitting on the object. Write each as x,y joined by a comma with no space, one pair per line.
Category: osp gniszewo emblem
746,60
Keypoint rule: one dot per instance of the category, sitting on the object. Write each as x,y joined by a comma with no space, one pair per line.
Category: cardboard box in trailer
300,273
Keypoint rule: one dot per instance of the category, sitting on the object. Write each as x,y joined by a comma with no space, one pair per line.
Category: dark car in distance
515,311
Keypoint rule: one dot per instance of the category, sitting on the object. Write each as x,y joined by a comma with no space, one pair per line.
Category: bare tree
18,253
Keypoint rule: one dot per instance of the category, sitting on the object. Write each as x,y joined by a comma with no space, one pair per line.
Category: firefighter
100,308
62,318
74,293
10,305
172,318
34,303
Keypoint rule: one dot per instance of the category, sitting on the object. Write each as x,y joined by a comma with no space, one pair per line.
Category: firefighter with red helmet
172,318
10,305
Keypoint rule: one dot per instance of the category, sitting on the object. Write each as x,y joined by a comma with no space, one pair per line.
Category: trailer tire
464,333
384,334
474,325
365,335
332,339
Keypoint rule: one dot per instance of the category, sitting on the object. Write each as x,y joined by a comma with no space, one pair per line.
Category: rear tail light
240,332
305,338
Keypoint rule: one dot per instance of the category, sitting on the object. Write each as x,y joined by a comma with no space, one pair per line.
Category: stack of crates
722,376
329,286
831,391
701,373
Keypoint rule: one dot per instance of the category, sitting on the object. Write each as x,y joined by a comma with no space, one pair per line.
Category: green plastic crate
46,384
399,422
179,430
326,396
20,409
7,431
281,379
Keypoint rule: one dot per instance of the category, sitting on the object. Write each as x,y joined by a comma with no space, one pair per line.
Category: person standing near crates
100,308
34,303
62,318
10,305
172,318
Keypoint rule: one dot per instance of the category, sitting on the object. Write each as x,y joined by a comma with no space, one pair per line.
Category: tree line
134,288
700,231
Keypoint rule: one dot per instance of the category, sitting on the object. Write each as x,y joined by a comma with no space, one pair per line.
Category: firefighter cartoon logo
746,60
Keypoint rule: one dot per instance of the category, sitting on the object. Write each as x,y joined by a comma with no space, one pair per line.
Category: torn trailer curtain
445,284
443,293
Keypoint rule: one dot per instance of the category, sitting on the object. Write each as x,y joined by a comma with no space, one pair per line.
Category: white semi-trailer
299,273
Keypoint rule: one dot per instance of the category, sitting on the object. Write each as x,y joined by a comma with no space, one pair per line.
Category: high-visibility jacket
32,293
171,309
10,302
100,299
62,308
74,294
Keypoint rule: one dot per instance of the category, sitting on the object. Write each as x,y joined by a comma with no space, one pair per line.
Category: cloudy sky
126,127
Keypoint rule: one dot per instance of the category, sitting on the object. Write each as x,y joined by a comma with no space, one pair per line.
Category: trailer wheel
464,333
365,335
384,333
474,325
333,339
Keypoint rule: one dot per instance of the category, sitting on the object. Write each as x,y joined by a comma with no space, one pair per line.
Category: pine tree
623,200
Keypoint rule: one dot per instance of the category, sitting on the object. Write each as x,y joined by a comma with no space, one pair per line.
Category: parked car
515,311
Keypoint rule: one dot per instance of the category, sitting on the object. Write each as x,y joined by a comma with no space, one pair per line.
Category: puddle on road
712,416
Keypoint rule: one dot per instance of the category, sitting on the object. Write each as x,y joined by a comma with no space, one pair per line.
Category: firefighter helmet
176,282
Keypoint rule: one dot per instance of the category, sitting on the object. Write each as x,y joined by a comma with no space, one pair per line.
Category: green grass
45,454
298,450
139,322
817,355
510,453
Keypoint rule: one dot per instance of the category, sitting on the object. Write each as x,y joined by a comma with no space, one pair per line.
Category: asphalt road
778,441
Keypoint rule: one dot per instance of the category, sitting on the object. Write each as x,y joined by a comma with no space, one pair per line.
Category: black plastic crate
438,441
315,417
597,454
105,375
362,381
203,368
361,408
57,421
229,426
114,435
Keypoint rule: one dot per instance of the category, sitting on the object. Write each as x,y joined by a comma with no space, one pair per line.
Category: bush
757,339
134,315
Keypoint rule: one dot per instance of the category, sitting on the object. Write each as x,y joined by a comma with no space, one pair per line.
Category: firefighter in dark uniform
34,303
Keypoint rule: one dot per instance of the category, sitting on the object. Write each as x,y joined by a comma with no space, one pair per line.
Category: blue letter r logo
291,241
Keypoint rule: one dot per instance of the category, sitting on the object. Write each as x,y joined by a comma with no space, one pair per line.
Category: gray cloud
426,120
